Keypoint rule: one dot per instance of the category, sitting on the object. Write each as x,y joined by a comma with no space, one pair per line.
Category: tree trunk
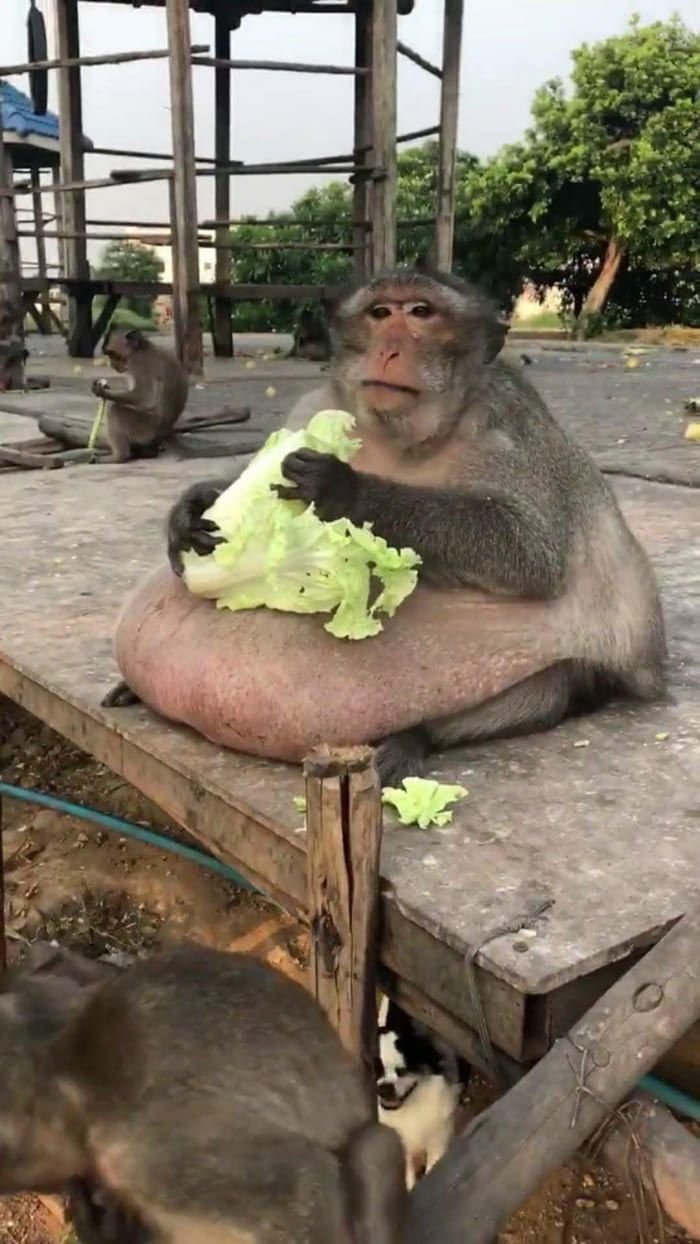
597,295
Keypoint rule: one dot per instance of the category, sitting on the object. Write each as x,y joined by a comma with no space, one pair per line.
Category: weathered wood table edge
424,973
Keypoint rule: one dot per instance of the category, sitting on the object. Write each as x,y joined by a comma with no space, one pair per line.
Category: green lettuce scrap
423,802
277,554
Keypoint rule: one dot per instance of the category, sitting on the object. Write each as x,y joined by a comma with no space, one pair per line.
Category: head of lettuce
277,554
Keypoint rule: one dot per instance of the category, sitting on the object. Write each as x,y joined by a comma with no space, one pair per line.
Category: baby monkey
141,417
198,1097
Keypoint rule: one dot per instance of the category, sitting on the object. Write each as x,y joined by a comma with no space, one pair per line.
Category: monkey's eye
422,310
380,312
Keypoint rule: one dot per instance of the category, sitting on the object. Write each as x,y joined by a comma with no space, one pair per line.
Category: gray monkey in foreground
463,462
196,1096
140,418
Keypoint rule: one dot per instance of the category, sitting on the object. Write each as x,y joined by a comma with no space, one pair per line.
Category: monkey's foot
401,755
120,696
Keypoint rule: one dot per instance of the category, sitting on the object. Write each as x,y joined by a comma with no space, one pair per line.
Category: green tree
132,261
325,216
607,179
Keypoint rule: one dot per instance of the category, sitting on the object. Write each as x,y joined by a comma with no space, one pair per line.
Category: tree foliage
132,261
607,179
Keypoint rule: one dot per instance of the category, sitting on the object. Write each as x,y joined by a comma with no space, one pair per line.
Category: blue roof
17,113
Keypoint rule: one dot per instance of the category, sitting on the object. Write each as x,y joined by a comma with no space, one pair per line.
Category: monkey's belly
275,684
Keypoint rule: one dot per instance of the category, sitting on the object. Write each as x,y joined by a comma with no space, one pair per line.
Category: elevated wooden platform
609,831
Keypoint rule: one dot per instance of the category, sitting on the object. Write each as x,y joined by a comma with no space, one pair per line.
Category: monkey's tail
374,1173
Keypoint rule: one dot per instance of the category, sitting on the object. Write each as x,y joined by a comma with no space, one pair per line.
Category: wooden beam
362,142
382,32
10,269
344,830
186,271
506,1153
222,334
449,111
274,66
408,52
70,109
77,61
39,232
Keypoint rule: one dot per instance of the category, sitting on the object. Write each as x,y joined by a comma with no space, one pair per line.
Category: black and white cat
419,1084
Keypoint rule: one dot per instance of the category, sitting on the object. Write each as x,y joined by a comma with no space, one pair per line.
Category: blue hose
670,1096
689,1107
128,829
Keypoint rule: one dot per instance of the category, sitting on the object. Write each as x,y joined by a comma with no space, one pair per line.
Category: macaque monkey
197,1097
534,601
140,418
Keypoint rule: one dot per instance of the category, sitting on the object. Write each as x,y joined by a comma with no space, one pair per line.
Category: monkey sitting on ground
196,1096
534,600
140,418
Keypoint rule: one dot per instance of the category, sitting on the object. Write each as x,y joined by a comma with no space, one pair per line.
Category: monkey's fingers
293,493
204,538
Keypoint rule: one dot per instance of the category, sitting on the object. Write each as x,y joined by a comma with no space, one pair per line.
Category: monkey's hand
330,484
186,527
99,387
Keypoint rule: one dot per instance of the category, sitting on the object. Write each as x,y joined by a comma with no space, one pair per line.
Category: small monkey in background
195,1096
140,418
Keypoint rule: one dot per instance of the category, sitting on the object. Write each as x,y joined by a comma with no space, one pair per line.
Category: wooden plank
446,888
186,291
447,150
70,109
222,333
511,1148
13,456
275,66
404,50
383,26
77,61
10,269
361,190
344,832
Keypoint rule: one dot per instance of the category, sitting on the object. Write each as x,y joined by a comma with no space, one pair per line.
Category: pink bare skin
441,653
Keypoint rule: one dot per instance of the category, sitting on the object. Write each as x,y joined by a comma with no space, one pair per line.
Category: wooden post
10,270
222,335
70,109
10,266
383,30
40,247
186,297
449,109
362,144
60,244
507,1151
344,827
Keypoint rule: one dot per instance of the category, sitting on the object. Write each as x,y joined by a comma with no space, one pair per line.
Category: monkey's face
408,341
119,345
117,351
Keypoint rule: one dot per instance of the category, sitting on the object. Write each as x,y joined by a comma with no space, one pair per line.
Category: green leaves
278,554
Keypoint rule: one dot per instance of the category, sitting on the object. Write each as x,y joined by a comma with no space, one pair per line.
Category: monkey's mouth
392,388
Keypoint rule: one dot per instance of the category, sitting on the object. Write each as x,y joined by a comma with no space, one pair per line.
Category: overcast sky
510,48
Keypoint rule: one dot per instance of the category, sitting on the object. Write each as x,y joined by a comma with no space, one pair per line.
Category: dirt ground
98,892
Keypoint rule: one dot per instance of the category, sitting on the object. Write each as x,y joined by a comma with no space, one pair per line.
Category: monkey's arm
480,537
141,398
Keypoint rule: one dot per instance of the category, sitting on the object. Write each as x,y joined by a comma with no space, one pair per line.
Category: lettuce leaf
423,802
277,554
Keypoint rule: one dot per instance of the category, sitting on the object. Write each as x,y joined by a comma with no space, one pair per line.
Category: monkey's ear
497,328
135,338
